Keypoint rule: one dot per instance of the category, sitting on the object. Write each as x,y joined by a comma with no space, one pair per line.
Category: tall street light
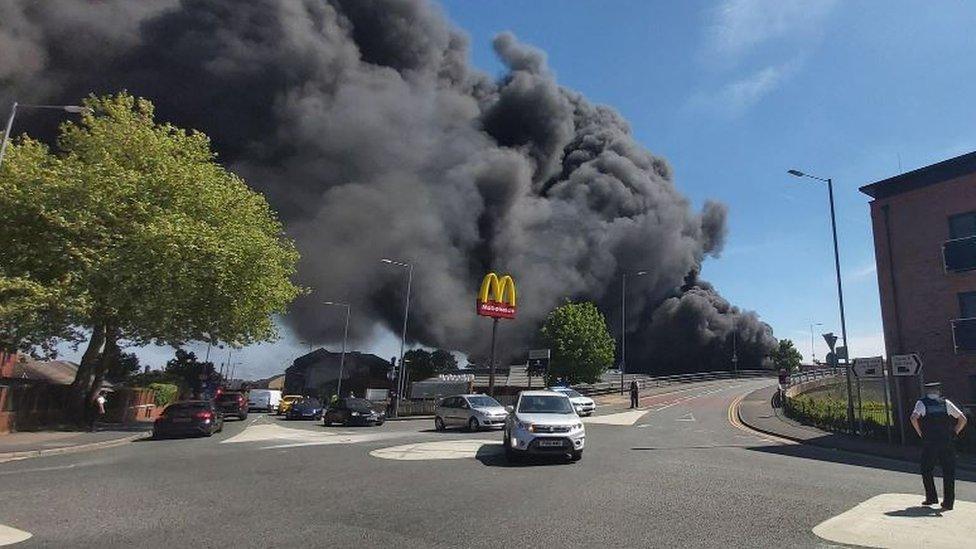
840,293
73,109
345,334
623,322
403,334
813,350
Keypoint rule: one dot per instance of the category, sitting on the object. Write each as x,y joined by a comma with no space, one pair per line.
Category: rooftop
922,177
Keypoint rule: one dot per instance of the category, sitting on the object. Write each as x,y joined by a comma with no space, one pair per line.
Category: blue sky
733,94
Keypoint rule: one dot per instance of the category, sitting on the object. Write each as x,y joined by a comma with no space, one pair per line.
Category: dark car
188,417
353,411
232,403
306,408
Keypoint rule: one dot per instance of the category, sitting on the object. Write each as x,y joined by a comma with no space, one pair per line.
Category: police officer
937,421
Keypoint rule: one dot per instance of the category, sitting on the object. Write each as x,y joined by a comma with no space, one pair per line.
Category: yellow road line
735,422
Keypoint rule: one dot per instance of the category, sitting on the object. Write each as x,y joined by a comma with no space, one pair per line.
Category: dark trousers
945,456
634,400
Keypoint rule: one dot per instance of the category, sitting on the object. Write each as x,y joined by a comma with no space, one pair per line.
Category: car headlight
527,426
354,414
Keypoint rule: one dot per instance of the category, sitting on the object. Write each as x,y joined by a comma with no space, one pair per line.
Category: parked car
543,422
353,411
286,401
232,403
263,399
188,417
471,411
306,408
584,405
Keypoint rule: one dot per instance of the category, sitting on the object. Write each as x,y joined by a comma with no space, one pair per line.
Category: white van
263,399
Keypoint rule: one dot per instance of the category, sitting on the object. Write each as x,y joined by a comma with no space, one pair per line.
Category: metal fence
644,381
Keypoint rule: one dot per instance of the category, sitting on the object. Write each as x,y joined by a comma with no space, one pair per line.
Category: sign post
496,299
870,368
903,366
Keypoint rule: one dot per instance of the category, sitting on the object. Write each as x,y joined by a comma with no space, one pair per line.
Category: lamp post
623,322
74,109
345,334
813,351
840,293
403,333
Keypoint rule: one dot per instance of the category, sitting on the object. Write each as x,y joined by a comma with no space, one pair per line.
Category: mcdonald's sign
497,296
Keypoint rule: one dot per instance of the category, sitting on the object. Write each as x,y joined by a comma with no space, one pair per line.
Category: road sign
905,365
841,352
831,340
538,362
870,367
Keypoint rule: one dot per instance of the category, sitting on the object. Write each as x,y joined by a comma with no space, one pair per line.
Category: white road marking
687,417
899,521
10,536
290,438
623,418
447,449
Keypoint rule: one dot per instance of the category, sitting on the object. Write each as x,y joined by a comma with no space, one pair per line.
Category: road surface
678,475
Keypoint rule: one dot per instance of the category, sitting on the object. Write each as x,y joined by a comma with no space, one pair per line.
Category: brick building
924,225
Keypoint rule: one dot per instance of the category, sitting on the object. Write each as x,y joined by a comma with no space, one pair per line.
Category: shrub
164,393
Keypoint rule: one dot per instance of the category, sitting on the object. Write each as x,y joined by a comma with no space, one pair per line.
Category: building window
962,225
967,305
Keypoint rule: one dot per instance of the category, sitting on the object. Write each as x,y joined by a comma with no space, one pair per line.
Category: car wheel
576,455
439,423
378,423
472,424
221,428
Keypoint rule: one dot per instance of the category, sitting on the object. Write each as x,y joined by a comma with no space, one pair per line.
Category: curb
27,454
411,418
734,409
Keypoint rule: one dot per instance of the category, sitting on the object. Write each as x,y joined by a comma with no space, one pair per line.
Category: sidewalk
756,411
26,444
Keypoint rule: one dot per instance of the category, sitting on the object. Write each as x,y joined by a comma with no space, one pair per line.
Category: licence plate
181,420
545,442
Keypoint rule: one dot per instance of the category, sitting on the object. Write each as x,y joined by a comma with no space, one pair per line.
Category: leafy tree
443,361
786,356
582,347
186,368
123,368
144,234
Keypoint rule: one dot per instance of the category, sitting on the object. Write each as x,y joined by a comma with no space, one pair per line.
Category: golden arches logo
496,298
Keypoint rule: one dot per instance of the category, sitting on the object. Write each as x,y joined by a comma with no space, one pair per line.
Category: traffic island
756,411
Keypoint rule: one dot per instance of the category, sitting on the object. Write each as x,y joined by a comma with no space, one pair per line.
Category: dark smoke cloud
365,126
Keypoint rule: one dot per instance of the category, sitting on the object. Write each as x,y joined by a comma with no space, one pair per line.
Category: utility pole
623,323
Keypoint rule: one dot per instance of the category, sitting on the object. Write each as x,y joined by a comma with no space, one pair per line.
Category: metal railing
608,387
814,374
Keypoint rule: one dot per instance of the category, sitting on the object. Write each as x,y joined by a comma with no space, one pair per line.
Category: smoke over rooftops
372,136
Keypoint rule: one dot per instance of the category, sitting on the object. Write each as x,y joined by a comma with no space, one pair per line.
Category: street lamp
813,351
73,109
345,333
403,334
840,292
623,322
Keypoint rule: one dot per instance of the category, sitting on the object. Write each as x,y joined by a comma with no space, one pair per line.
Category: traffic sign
831,340
538,361
870,367
906,365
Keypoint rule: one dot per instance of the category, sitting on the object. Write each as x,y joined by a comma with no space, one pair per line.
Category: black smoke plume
363,123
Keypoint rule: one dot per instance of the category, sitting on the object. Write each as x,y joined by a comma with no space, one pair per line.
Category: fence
643,381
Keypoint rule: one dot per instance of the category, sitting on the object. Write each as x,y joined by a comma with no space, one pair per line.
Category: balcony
959,254
964,334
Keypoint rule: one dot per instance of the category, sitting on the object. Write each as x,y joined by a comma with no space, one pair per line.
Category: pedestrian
634,394
97,410
938,421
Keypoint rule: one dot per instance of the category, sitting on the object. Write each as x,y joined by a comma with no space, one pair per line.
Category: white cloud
864,272
739,26
735,98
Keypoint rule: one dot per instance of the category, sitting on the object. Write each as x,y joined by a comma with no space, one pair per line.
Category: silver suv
544,422
472,411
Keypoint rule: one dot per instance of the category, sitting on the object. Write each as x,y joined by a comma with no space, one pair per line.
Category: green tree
443,361
786,356
187,369
582,348
419,364
147,237
126,366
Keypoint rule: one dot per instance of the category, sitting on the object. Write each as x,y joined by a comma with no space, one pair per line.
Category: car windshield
569,392
359,405
483,402
545,404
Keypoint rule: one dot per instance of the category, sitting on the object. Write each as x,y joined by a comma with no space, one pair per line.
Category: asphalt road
681,475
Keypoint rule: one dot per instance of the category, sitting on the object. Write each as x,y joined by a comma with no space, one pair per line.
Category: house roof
57,372
922,177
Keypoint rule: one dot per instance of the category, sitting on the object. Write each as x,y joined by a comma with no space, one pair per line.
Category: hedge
164,393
